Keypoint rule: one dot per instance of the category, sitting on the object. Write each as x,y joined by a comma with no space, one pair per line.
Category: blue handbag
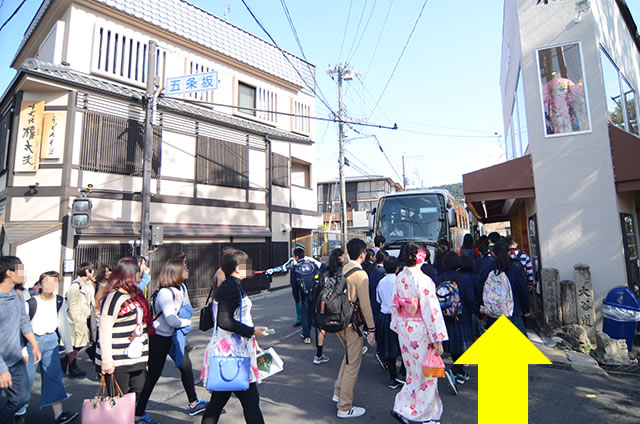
229,373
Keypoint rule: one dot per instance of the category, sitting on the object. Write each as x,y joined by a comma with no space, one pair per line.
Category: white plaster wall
575,193
223,193
510,63
280,147
51,48
40,255
56,98
304,221
77,140
167,212
116,210
44,177
257,197
257,169
304,198
281,196
278,220
176,188
35,208
75,177
102,180
178,155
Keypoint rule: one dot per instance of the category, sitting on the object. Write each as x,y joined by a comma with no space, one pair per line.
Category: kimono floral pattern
564,106
419,399
226,343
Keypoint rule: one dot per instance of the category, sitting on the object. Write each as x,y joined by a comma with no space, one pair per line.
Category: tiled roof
79,79
193,23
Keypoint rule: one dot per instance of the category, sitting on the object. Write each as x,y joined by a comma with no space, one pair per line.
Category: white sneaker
355,411
335,398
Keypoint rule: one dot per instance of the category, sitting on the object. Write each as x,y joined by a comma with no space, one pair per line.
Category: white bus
422,216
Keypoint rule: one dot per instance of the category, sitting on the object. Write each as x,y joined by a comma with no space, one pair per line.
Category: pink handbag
103,409
433,367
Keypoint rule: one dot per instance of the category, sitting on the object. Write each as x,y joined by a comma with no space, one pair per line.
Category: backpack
468,252
449,296
332,308
497,296
33,305
518,263
155,312
306,274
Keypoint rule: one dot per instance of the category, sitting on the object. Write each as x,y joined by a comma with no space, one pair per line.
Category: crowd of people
413,309
410,309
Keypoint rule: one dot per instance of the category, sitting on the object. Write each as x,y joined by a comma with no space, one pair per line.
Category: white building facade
569,79
231,165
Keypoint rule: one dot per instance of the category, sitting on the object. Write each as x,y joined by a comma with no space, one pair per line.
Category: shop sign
53,135
29,137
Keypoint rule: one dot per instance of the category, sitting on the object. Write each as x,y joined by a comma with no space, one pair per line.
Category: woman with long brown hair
125,327
170,303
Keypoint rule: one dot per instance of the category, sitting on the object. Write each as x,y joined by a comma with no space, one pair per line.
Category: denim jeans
18,394
307,313
52,390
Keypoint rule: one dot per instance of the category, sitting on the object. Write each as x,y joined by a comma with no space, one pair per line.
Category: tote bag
103,409
269,363
229,373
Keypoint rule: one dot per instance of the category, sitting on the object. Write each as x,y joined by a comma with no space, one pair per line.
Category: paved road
302,392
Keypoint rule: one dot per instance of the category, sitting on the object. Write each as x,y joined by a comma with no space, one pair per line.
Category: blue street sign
191,83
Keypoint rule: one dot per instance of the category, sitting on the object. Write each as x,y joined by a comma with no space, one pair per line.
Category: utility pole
148,150
346,74
404,175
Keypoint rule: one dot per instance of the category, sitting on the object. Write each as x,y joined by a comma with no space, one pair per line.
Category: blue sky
444,94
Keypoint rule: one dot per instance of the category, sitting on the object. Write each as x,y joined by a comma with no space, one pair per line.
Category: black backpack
333,309
33,305
306,273
156,312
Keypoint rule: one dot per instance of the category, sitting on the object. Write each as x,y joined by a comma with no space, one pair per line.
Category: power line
12,15
366,25
379,38
317,118
400,57
297,38
285,54
355,34
346,26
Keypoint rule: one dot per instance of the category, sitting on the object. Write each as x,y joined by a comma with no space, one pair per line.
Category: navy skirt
460,338
386,339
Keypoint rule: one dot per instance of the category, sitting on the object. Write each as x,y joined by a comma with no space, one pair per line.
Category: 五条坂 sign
191,83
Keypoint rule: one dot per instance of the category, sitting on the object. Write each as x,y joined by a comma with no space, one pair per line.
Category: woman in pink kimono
418,320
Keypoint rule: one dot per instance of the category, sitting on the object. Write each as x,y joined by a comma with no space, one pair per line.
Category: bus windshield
416,217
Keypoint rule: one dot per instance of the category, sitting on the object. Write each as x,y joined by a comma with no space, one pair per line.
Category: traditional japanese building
232,162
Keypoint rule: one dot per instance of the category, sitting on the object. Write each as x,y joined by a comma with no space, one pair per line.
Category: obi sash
407,308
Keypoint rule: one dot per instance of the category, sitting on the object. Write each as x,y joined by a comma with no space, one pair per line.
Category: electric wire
366,25
375,49
415,25
355,34
346,26
285,54
12,15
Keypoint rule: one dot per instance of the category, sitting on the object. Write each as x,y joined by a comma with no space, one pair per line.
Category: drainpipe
270,203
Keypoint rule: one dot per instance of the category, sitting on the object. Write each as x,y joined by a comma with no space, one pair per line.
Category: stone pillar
550,297
568,303
585,298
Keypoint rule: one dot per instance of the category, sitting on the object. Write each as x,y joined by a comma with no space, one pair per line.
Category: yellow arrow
503,355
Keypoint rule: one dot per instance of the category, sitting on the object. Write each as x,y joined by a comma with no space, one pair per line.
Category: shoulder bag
206,314
229,373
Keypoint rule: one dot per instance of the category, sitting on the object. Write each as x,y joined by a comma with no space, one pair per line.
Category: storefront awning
17,233
625,151
493,192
